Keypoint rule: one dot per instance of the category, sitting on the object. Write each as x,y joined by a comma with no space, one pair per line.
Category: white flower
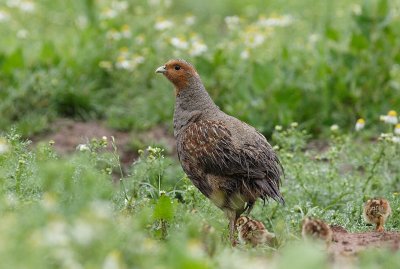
396,139
126,31
335,128
313,38
81,21
163,25
102,209
123,63
113,261
119,5
27,6
22,33
139,39
179,43
113,35
190,20
360,124
4,148
109,13
11,200
278,128
356,9
254,39
276,21
137,59
390,118
13,3
197,48
55,234
232,22
82,232
245,54
4,16
83,147
397,129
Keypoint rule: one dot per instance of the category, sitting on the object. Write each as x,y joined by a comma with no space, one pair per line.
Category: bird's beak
161,69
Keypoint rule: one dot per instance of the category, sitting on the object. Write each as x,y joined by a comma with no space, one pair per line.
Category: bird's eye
177,67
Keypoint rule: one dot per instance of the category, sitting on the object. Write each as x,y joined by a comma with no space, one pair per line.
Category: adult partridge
229,161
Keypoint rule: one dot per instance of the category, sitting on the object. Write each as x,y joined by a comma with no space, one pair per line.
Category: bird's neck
191,102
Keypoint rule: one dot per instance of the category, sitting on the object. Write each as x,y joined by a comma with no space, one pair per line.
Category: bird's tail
270,189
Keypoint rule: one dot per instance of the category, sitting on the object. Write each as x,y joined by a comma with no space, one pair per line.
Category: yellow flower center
361,121
392,113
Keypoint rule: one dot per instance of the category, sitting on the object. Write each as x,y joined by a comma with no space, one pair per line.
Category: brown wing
209,145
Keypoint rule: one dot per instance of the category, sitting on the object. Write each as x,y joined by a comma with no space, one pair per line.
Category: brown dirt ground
347,245
67,134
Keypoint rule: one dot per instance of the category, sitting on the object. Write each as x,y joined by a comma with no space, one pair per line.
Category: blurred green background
266,62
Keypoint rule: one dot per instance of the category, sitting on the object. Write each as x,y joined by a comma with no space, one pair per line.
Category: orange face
179,72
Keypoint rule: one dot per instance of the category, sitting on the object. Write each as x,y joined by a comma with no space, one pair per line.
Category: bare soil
347,244
68,134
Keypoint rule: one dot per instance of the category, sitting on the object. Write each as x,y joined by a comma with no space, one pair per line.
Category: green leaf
14,61
164,209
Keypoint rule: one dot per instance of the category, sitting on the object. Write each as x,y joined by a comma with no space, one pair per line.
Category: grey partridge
229,161
316,229
252,231
376,211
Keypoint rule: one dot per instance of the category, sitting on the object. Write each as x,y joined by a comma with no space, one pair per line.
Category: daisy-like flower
113,34
140,39
232,22
245,54
360,124
4,16
396,139
82,147
335,128
120,5
163,24
273,21
197,48
397,129
27,6
123,63
190,20
109,13
4,148
390,118
179,43
126,31
113,260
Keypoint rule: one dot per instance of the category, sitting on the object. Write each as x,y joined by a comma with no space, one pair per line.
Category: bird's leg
379,225
232,221
232,232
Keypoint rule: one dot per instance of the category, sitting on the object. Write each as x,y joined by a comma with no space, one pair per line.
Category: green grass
328,63
83,211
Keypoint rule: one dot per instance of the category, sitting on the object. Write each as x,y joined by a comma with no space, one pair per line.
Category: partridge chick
376,211
229,161
316,229
252,231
